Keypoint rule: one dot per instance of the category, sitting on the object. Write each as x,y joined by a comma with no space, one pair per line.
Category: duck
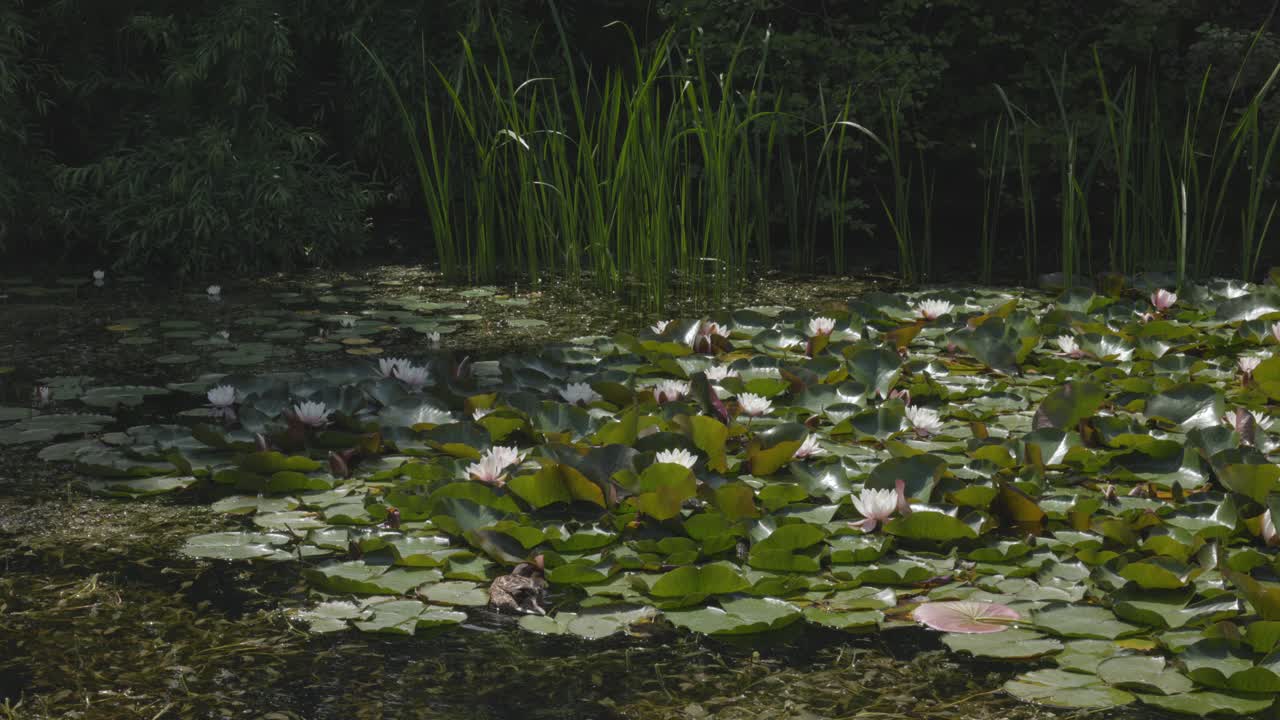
523,590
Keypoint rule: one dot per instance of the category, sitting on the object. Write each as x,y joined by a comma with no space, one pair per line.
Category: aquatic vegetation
1116,501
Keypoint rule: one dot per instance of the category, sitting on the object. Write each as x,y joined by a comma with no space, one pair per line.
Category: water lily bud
261,443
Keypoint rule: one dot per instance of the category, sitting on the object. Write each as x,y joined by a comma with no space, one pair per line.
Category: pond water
102,615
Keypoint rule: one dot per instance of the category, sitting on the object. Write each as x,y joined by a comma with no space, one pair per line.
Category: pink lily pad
966,616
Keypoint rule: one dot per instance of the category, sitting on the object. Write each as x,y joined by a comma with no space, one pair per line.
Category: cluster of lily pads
1084,482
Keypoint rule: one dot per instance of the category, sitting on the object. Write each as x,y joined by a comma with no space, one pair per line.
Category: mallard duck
521,591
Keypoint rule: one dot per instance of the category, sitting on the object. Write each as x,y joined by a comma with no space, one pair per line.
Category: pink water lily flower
822,326
1163,299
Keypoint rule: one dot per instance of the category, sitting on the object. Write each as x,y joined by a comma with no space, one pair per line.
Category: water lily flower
822,326
99,275
1163,299
678,456
479,413
347,322
213,291
222,396
224,334
314,414
42,396
413,376
754,405
720,372
669,390
1247,364
1069,347
809,448
1240,420
877,506
433,339
1269,535
1275,331
924,420
493,464
933,309
387,366
579,394
703,339
660,327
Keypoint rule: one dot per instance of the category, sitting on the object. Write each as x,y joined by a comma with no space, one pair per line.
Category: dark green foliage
254,134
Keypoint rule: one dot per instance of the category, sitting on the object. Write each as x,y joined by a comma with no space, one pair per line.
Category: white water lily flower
479,413
925,421
1275,330
493,464
413,376
1269,535
579,393
99,275
821,326
387,366
720,372
433,339
669,390
1247,364
42,396
1163,299
875,507
1069,347
809,448
660,327
222,396
933,309
224,334
754,405
310,413
679,456
213,291
347,322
